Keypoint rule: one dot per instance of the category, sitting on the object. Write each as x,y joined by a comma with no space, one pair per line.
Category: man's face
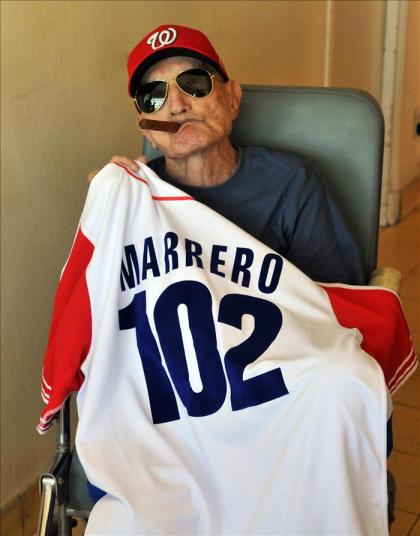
204,121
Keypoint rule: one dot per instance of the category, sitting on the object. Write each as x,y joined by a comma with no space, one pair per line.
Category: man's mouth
187,122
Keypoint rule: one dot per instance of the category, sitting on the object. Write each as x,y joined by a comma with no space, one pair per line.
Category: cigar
164,126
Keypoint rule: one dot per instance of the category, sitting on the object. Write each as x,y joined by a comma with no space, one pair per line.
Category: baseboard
20,515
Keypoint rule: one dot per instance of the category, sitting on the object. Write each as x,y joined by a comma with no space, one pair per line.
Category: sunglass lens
150,97
195,82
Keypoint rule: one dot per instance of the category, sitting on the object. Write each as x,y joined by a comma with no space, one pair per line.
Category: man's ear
235,97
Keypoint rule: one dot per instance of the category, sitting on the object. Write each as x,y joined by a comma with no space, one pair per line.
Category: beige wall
409,158
357,39
65,111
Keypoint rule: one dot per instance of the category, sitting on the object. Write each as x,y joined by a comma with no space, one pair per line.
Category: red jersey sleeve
70,333
378,315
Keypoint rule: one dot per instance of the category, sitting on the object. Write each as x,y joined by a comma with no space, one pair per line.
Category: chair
340,133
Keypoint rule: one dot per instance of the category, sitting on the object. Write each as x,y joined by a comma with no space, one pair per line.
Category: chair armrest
54,485
386,277
53,488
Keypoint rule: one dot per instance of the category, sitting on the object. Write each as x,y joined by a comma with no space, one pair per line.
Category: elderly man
221,390
175,75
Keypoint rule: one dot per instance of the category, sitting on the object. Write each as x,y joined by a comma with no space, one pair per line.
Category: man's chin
182,150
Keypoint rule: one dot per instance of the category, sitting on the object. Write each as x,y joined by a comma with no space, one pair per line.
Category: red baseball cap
166,41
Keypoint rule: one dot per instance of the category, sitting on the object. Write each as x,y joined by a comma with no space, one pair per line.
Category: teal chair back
339,132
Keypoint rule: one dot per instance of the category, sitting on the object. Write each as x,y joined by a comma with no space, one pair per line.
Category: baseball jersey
220,390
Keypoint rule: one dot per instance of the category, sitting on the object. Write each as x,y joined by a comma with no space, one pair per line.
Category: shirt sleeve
70,333
378,315
319,242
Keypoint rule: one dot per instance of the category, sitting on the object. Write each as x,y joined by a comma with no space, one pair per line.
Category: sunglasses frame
167,82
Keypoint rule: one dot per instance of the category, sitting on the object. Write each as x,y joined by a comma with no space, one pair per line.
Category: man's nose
178,102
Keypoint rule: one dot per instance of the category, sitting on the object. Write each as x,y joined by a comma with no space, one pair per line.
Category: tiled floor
399,247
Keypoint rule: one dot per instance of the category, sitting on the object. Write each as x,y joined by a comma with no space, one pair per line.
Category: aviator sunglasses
150,97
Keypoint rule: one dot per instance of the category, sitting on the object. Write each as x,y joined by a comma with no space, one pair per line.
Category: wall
409,157
357,35
65,111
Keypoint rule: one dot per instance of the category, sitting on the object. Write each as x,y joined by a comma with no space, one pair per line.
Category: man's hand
125,161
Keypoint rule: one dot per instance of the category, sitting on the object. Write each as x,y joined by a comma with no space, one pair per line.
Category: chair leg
48,491
65,521
392,492
53,517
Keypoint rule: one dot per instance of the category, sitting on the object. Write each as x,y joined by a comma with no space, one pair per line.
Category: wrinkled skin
200,152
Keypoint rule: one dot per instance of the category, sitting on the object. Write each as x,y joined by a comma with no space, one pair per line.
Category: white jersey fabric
218,391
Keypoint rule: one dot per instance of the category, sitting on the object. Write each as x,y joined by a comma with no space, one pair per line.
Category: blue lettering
171,256
130,271
193,250
149,259
244,258
263,285
216,261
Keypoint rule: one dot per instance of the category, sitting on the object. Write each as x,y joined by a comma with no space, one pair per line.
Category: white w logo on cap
162,38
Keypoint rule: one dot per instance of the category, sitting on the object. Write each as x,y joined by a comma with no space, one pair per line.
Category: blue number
210,395
162,398
268,321
197,299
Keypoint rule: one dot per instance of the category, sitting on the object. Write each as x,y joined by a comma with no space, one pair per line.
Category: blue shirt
280,201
